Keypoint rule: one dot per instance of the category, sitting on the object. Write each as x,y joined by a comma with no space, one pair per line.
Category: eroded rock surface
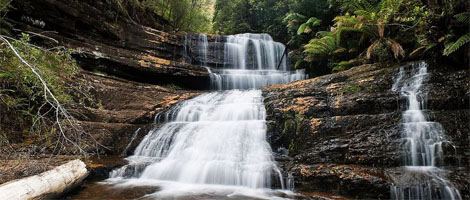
123,107
118,39
353,118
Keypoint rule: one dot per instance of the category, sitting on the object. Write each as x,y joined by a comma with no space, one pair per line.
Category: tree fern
307,26
452,47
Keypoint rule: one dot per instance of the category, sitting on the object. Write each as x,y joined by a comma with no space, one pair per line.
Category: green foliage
240,16
346,6
4,7
323,34
344,65
22,95
308,26
354,89
186,15
53,66
454,46
463,18
324,47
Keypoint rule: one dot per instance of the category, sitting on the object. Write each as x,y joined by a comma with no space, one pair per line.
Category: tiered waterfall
218,138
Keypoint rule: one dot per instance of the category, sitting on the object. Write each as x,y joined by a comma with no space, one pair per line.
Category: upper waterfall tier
253,51
243,61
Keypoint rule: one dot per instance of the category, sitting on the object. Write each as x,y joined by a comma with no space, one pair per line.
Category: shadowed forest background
327,36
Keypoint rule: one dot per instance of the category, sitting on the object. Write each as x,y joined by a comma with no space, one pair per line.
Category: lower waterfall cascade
218,139
422,141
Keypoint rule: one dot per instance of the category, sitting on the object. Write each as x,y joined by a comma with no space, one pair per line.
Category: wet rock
350,180
124,106
108,191
100,166
353,118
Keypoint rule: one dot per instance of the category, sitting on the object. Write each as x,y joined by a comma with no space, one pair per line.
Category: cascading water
251,61
218,138
422,141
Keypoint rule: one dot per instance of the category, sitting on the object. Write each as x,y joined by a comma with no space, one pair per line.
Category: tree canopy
334,35
186,15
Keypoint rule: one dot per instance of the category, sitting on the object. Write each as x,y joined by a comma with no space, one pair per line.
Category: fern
452,47
463,18
307,26
302,28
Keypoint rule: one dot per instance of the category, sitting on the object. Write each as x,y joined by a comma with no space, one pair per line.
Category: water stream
422,142
216,143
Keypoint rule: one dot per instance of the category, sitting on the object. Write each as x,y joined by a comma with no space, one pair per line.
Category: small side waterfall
422,142
203,46
130,142
218,139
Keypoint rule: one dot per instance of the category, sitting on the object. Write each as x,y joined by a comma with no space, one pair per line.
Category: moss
291,146
174,87
289,127
299,118
372,88
354,89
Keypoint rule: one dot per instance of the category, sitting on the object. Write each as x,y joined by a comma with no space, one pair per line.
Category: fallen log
49,184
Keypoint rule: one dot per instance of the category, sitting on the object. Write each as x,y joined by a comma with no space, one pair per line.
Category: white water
422,140
217,141
251,61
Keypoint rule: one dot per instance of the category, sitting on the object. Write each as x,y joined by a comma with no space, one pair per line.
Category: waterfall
422,141
218,139
251,61
186,58
203,44
130,142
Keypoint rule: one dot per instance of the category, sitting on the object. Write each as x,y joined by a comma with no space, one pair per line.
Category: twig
60,111
43,36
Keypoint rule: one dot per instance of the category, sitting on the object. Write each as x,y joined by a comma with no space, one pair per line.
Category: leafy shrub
27,110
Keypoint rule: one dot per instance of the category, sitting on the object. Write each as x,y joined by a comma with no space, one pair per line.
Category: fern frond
451,48
397,49
371,49
463,18
314,21
301,29
323,33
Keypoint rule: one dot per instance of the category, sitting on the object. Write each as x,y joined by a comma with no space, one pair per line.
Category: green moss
299,118
289,127
354,89
372,88
291,146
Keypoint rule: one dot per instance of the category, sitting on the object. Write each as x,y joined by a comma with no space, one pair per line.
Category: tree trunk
50,184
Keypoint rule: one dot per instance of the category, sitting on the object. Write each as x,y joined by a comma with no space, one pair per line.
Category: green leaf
463,18
301,29
451,48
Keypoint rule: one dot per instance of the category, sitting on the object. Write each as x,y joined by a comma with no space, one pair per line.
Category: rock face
117,38
125,106
343,129
122,39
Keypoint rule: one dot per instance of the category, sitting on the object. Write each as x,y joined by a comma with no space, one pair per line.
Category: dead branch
63,119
